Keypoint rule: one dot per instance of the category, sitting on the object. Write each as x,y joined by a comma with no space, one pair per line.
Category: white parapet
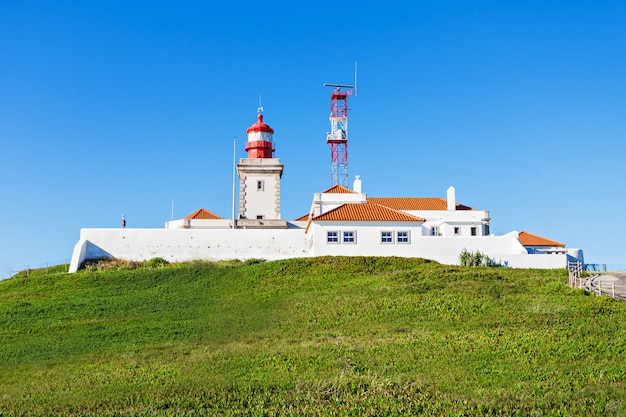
179,245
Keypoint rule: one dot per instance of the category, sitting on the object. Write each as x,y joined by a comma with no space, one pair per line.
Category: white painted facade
453,223
324,202
258,232
185,240
180,245
259,188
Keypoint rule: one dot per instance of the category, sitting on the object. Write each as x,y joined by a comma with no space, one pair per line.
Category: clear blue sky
119,107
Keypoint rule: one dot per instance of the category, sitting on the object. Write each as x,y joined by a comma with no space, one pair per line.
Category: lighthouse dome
260,126
260,139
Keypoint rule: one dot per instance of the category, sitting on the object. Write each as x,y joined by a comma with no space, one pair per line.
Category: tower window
260,185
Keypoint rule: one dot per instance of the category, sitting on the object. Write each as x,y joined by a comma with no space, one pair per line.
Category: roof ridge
417,203
351,212
339,189
202,214
531,239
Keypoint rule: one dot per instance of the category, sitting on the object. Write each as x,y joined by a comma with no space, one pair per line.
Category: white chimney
451,199
356,187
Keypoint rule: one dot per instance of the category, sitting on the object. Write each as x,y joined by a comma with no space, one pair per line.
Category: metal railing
36,266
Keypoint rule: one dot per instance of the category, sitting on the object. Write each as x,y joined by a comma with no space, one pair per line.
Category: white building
340,222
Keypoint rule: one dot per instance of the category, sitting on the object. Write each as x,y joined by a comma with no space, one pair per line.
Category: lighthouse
259,180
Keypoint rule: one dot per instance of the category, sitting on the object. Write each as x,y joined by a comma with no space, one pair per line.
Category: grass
319,336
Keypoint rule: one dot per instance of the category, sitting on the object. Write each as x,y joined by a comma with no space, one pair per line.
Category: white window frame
335,239
406,239
353,237
434,231
382,237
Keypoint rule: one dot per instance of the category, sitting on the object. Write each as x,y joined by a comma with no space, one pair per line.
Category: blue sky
120,107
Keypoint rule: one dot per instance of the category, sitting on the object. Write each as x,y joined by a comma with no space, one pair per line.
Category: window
457,231
386,237
260,217
332,237
434,231
403,237
349,237
474,232
260,185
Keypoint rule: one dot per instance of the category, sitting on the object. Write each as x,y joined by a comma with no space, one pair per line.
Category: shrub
109,264
467,258
155,263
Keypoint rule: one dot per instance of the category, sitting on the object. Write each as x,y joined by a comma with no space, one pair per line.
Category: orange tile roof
339,189
528,239
305,217
415,203
367,212
202,214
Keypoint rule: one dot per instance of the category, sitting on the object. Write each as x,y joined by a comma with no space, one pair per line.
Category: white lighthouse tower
259,180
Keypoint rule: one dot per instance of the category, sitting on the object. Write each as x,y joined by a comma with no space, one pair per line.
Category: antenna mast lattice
337,138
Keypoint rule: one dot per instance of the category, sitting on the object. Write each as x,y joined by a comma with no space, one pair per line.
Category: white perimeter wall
179,245
444,249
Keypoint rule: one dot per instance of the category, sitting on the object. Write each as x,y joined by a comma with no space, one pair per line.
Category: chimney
356,187
451,199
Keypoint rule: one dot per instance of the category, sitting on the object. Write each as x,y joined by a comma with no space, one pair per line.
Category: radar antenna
337,138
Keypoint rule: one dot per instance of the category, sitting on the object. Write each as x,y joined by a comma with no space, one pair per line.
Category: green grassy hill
322,336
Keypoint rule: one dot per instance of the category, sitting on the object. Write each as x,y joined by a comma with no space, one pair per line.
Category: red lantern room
260,143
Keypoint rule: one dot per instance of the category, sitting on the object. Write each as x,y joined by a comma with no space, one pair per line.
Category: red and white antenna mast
337,138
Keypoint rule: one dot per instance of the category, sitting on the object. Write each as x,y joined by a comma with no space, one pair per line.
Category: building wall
324,202
367,238
447,220
444,249
199,224
552,261
264,200
261,201
179,245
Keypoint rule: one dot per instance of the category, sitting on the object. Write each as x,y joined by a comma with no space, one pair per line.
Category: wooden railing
576,280
611,289
592,283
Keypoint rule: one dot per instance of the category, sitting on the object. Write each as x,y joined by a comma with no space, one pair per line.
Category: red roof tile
339,189
528,239
366,212
415,203
202,214
305,217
